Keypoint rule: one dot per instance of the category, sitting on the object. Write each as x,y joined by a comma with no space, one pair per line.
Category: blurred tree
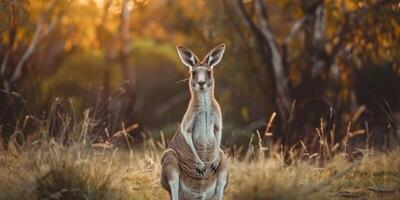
45,24
307,70
18,42
125,40
311,51
106,41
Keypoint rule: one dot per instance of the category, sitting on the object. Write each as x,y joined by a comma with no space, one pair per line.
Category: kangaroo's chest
203,134
203,125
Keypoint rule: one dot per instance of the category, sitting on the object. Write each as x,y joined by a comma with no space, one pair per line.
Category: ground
78,171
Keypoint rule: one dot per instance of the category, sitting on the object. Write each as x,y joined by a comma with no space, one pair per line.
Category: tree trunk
271,55
281,79
107,52
128,74
37,36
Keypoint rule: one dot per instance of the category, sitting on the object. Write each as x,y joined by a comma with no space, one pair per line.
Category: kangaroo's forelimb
187,130
218,134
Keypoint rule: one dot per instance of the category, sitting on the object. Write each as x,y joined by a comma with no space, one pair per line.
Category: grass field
52,171
44,168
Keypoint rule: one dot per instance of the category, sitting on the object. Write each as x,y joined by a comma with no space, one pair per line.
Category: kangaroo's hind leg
223,176
170,173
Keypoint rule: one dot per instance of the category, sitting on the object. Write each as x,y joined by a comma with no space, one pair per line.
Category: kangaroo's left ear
215,55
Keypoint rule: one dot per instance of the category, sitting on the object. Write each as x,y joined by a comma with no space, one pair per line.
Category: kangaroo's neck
203,99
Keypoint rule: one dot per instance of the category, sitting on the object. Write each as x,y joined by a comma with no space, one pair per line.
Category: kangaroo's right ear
188,58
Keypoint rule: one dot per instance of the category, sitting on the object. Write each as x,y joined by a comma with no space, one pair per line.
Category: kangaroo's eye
209,73
193,73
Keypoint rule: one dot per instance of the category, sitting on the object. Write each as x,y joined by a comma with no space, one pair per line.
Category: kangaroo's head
201,73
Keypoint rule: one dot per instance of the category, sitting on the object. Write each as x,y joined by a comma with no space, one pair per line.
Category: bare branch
13,25
319,40
295,29
276,56
4,63
270,52
263,10
319,27
129,76
18,70
248,21
124,26
37,36
234,24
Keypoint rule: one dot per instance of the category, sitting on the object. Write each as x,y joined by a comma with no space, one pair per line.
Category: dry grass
271,179
42,168
56,172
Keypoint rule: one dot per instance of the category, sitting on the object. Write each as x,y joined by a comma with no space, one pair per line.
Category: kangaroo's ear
215,55
188,58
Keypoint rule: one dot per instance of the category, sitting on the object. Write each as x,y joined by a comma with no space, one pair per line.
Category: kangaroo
194,166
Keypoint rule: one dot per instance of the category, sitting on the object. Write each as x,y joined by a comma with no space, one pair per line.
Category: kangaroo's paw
200,169
213,168
214,165
200,172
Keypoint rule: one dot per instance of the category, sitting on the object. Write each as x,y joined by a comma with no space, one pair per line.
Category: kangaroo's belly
203,135
186,192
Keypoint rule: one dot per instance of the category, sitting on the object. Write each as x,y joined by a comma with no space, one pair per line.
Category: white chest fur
203,125
204,119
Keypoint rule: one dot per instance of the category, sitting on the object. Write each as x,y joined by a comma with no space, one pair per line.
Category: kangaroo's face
201,73
201,77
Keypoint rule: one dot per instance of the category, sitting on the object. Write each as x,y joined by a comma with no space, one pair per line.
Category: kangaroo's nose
201,83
